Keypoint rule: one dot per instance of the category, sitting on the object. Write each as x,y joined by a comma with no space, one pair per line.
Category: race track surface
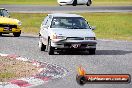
112,57
51,9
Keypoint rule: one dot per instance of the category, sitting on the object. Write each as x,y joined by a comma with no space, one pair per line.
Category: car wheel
74,3
60,5
16,34
89,2
50,48
81,80
0,34
42,46
92,51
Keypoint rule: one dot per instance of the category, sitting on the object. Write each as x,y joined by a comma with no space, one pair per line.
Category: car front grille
75,38
70,45
62,2
8,25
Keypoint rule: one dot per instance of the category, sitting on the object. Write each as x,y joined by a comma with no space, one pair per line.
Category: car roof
2,8
64,15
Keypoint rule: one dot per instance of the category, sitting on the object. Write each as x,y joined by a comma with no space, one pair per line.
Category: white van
74,2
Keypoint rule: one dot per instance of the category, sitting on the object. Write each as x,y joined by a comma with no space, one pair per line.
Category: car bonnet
74,32
6,20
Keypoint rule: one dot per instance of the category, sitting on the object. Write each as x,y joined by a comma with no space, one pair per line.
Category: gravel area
10,68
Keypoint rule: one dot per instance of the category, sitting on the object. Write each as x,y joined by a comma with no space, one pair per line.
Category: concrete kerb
46,72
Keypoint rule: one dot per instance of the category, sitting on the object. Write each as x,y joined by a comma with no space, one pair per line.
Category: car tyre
92,51
89,2
50,48
74,3
16,34
0,34
42,46
60,5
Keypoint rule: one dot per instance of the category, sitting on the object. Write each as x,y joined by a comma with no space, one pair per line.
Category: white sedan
74,2
66,32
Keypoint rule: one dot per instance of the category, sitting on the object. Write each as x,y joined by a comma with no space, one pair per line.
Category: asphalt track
112,57
77,9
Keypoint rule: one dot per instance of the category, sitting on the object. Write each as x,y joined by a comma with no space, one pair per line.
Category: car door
46,29
43,30
42,26
82,1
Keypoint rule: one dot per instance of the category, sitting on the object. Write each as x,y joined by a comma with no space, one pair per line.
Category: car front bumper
74,44
66,2
12,30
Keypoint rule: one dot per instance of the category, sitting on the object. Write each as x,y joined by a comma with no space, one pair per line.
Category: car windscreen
69,23
4,13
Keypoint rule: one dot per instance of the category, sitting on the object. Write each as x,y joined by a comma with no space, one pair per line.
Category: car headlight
90,38
61,37
19,23
54,36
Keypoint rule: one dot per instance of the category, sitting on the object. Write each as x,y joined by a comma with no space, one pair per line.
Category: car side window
4,13
48,22
45,20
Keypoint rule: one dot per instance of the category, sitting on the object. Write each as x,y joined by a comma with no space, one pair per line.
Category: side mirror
93,27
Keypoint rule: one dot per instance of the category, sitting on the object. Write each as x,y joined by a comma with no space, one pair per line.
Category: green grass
111,25
35,2
108,25
30,22
54,2
112,2
6,75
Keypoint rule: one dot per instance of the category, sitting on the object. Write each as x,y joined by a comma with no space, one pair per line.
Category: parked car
66,32
9,25
74,2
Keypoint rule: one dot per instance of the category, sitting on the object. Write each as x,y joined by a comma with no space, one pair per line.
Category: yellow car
9,25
